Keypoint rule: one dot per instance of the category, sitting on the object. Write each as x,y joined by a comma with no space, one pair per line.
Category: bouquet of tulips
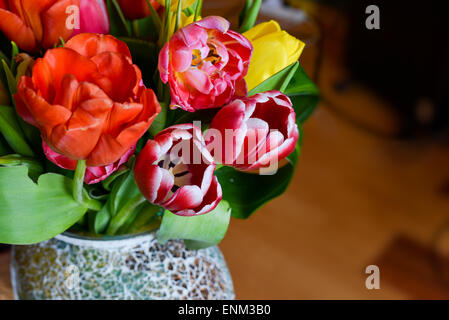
119,117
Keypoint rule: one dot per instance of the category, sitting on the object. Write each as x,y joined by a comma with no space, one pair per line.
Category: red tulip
176,171
137,9
87,99
93,174
36,24
204,64
254,132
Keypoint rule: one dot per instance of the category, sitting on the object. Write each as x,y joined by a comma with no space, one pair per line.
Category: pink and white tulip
204,64
176,171
93,174
254,132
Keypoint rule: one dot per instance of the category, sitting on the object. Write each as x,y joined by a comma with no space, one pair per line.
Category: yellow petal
174,4
274,50
185,21
262,29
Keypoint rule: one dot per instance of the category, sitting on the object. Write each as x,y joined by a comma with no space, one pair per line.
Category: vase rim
106,241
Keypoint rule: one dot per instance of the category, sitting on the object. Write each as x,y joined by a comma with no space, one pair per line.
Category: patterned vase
138,267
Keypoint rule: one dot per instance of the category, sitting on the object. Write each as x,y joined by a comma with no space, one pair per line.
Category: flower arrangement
119,117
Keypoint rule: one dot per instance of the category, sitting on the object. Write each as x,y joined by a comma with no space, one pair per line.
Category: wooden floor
356,199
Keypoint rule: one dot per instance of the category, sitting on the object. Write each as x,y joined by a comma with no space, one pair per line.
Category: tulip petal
214,22
66,96
182,60
118,76
62,61
93,17
53,22
122,114
15,29
198,80
85,125
90,45
44,114
210,200
186,197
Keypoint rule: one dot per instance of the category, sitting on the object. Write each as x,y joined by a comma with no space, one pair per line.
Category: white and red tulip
93,174
175,171
255,131
205,64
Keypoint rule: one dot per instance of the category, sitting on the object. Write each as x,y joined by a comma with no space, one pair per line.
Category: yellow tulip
185,21
274,50
174,4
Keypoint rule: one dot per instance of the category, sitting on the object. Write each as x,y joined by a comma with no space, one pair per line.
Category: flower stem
78,180
94,205
120,218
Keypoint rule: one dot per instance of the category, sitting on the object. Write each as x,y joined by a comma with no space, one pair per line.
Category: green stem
120,218
94,205
199,6
135,25
78,180
178,16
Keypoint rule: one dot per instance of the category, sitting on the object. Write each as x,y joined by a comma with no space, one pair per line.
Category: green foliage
13,134
198,231
249,15
247,192
31,213
118,23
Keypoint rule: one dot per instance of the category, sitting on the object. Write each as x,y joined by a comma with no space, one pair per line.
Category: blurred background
372,185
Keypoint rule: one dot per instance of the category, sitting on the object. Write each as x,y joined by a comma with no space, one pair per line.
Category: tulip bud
253,133
176,172
25,65
274,50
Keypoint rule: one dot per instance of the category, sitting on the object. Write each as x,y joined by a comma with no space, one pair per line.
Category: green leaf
123,191
4,147
118,23
303,93
179,116
244,12
294,82
247,192
160,120
14,52
250,15
12,132
198,9
35,168
109,180
99,221
10,79
31,213
154,16
147,218
278,81
198,231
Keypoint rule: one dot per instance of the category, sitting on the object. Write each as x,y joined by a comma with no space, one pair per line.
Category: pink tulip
176,171
93,174
204,64
93,17
255,131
